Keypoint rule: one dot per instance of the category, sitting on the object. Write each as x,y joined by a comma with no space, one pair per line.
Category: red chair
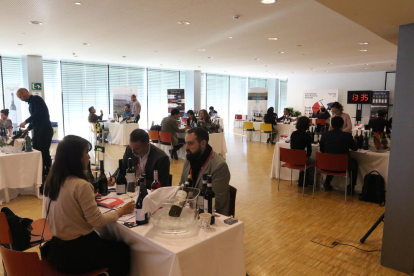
321,122
332,164
184,120
239,118
294,160
18,263
165,138
154,136
233,192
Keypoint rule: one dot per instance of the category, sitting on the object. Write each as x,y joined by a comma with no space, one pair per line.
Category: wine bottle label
180,197
200,202
139,215
213,206
130,177
120,189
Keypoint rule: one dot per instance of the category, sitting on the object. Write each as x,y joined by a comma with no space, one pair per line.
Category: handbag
44,247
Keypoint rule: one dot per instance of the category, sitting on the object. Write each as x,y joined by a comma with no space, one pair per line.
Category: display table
367,162
20,173
120,132
281,129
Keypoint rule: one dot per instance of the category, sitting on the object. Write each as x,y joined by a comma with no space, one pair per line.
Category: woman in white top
337,110
73,215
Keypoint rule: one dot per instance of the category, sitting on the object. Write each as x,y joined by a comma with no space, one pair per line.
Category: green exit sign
36,86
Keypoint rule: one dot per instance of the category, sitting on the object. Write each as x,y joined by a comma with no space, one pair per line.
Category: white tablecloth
18,171
367,162
218,251
119,133
281,129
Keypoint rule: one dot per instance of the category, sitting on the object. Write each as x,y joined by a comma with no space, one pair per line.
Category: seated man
212,112
378,124
338,142
93,118
169,124
201,159
127,111
145,159
323,114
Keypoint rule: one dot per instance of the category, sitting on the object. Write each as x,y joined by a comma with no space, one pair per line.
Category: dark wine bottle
356,138
210,200
200,198
103,182
189,186
141,217
179,202
89,174
96,183
121,182
361,140
155,184
365,144
130,177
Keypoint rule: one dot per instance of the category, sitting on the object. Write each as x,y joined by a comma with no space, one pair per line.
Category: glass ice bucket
167,224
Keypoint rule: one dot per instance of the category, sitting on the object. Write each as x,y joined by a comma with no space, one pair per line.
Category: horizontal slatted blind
283,95
218,94
203,104
257,82
238,97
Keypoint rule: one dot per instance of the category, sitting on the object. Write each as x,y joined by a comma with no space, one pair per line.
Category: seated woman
286,115
7,123
301,140
73,215
270,118
337,110
204,119
192,120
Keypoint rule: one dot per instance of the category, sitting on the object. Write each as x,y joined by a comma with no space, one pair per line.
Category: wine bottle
96,183
155,184
103,182
29,147
360,140
200,199
190,186
16,136
356,138
13,112
384,141
210,199
89,174
130,177
365,145
141,217
179,202
121,181
316,138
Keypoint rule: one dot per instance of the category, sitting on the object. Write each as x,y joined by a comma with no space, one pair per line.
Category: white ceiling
146,31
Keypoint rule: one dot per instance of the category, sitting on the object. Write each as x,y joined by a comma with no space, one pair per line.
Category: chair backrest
248,125
238,116
165,137
233,192
322,122
153,135
293,157
5,234
21,263
332,162
266,127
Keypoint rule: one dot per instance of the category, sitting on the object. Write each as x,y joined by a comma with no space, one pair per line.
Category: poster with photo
256,101
122,96
315,98
14,104
176,100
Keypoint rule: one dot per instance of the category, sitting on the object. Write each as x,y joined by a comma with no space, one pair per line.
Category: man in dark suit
146,158
380,123
338,142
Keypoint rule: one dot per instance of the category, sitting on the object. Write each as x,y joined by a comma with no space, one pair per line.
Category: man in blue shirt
127,111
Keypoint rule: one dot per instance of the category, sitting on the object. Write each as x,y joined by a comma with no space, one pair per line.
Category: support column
33,75
398,237
192,90
273,93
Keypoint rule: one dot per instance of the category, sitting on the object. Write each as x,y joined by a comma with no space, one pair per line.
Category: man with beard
201,159
145,159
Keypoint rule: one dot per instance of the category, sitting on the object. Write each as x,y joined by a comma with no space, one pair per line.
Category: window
203,95
182,79
159,81
257,82
130,76
238,97
283,95
53,92
218,95
83,85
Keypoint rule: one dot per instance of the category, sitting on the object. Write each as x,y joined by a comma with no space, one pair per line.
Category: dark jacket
189,123
300,140
378,125
323,115
169,124
270,119
157,160
93,118
39,119
337,142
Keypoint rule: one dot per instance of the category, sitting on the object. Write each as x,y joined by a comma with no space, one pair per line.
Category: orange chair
19,263
332,164
233,192
154,136
294,160
165,138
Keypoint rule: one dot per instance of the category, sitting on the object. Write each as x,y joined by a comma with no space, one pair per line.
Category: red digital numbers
355,97
364,97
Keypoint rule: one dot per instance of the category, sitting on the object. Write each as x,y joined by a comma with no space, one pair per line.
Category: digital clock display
359,97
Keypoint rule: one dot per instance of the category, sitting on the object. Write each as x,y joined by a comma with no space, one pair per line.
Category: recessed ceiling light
298,45
366,64
183,23
78,3
199,66
86,44
35,22
73,53
364,50
329,63
272,38
326,71
209,57
265,65
23,33
230,37
392,64
124,56
160,64
20,45
293,72
365,68
280,52
155,51
257,59
75,56
202,50
312,69
303,54
268,1
363,43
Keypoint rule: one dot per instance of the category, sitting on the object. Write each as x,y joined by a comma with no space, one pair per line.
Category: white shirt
136,108
142,160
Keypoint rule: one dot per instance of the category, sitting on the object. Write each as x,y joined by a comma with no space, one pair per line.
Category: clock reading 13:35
359,97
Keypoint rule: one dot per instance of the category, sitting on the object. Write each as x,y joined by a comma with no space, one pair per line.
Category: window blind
158,83
2,101
238,97
53,92
283,95
203,104
130,76
218,95
83,85
257,82
182,79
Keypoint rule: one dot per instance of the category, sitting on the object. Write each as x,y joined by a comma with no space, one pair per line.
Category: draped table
120,132
281,129
20,173
367,161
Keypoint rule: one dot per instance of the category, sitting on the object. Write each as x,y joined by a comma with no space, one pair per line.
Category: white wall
343,82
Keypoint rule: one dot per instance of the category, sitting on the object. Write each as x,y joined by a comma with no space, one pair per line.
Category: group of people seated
73,214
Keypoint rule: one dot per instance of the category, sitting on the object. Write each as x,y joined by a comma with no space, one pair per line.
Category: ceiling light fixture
364,50
363,43
124,56
35,22
230,37
366,64
280,52
23,33
20,44
365,68
78,3
209,57
86,44
268,1
298,45
183,23
202,50
257,59
75,56
272,38
329,63
160,64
